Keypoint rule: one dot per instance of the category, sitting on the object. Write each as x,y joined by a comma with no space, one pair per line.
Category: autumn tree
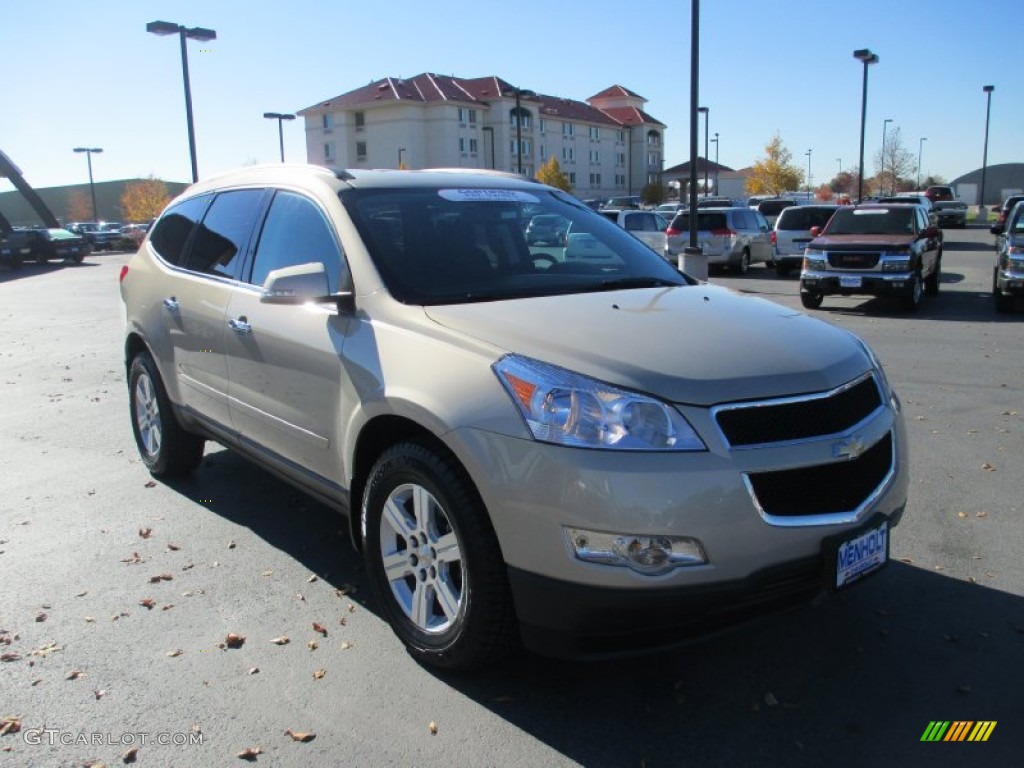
652,194
550,173
895,165
143,200
824,193
79,206
775,173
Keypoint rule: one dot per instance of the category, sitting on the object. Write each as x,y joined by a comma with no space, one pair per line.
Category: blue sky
87,74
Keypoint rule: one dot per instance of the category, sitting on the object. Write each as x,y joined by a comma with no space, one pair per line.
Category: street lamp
401,151
195,33
885,130
808,153
279,116
865,56
920,148
706,111
92,189
715,142
984,162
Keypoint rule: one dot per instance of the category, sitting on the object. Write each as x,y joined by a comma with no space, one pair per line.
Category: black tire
1003,303
744,266
16,261
166,448
40,257
811,300
911,300
452,613
931,283
782,270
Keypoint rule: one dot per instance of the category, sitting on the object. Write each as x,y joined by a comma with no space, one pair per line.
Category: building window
329,151
653,158
527,147
620,179
620,158
595,179
654,138
522,118
595,156
472,146
620,136
360,120
568,129
327,122
572,177
467,115
462,146
542,124
595,133
360,150
543,152
568,154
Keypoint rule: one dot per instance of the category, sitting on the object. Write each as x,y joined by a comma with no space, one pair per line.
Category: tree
652,194
79,206
143,200
932,180
896,164
775,173
823,193
550,173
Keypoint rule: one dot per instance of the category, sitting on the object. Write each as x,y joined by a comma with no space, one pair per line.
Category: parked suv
1008,274
582,451
772,207
1008,204
938,193
730,237
878,250
793,232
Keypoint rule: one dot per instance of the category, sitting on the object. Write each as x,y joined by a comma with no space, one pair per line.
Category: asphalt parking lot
119,593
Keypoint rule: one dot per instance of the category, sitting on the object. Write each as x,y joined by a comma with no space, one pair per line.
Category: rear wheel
434,562
811,300
911,300
1002,302
165,447
744,265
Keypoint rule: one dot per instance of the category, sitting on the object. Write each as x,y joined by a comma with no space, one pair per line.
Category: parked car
792,233
15,246
876,250
912,199
731,237
622,203
1008,274
938,193
719,202
525,447
669,210
1007,206
546,229
46,244
772,207
951,213
101,235
647,226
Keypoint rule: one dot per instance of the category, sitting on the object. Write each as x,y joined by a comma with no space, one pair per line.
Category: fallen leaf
345,589
151,484
972,580
82,594
267,573
234,641
906,560
253,671
982,514
147,602
130,755
250,753
175,652
319,674
343,621
961,515
41,616
351,608
312,645
98,693
345,645
145,533
300,736
188,567
300,597
75,674
320,628
167,607
196,728
313,577
159,578
432,727
10,656
46,650
988,467
135,558
231,545
173,547
282,640
10,725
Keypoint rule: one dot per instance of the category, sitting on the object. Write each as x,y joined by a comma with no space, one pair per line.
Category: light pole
195,33
706,111
808,153
279,116
984,161
715,142
92,189
401,151
865,56
885,130
920,148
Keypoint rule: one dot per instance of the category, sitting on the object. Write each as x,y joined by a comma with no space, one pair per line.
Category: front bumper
870,283
1010,283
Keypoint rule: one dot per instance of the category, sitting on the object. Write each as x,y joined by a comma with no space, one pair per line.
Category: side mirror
815,231
932,232
996,229
302,283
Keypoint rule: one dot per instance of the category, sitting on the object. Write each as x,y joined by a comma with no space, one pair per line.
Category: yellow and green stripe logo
958,730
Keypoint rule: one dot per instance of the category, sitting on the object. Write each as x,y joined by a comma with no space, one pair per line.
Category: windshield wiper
636,282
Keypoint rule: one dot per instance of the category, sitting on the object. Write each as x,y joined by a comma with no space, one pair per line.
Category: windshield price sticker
487,196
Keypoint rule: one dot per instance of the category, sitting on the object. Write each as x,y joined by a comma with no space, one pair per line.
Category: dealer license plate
849,281
864,553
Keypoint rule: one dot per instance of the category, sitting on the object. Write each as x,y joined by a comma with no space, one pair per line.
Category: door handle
171,304
240,325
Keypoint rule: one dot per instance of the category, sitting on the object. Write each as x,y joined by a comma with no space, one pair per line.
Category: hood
699,345
859,242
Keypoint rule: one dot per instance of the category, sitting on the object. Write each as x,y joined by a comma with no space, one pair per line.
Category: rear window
803,219
774,207
707,222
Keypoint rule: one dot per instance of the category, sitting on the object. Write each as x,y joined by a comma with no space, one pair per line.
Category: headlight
567,408
900,263
814,259
883,381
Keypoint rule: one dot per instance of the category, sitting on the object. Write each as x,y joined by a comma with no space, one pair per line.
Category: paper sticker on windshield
488,196
870,211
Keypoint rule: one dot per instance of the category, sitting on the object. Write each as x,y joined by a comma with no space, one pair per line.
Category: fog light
650,555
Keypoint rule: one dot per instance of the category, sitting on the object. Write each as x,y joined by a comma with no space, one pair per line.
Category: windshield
802,219
872,221
443,246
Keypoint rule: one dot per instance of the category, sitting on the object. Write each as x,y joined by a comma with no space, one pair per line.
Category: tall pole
892,185
694,83
519,135
865,56
188,106
280,137
92,187
920,149
984,162
706,111
715,142
808,153
280,117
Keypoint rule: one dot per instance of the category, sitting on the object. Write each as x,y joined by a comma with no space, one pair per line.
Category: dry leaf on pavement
130,755
300,736
319,674
313,645
175,652
75,674
147,602
234,641
282,640
432,728
320,628
10,725
249,753
135,558
145,533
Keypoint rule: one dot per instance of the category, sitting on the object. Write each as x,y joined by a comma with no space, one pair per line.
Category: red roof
616,90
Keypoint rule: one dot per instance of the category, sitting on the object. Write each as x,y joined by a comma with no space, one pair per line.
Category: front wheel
911,300
1002,302
165,447
434,562
744,264
931,283
811,300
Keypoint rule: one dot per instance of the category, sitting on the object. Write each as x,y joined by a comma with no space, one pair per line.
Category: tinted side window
708,222
171,233
295,232
222,238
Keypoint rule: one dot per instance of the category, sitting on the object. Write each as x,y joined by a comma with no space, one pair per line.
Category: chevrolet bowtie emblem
849,449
